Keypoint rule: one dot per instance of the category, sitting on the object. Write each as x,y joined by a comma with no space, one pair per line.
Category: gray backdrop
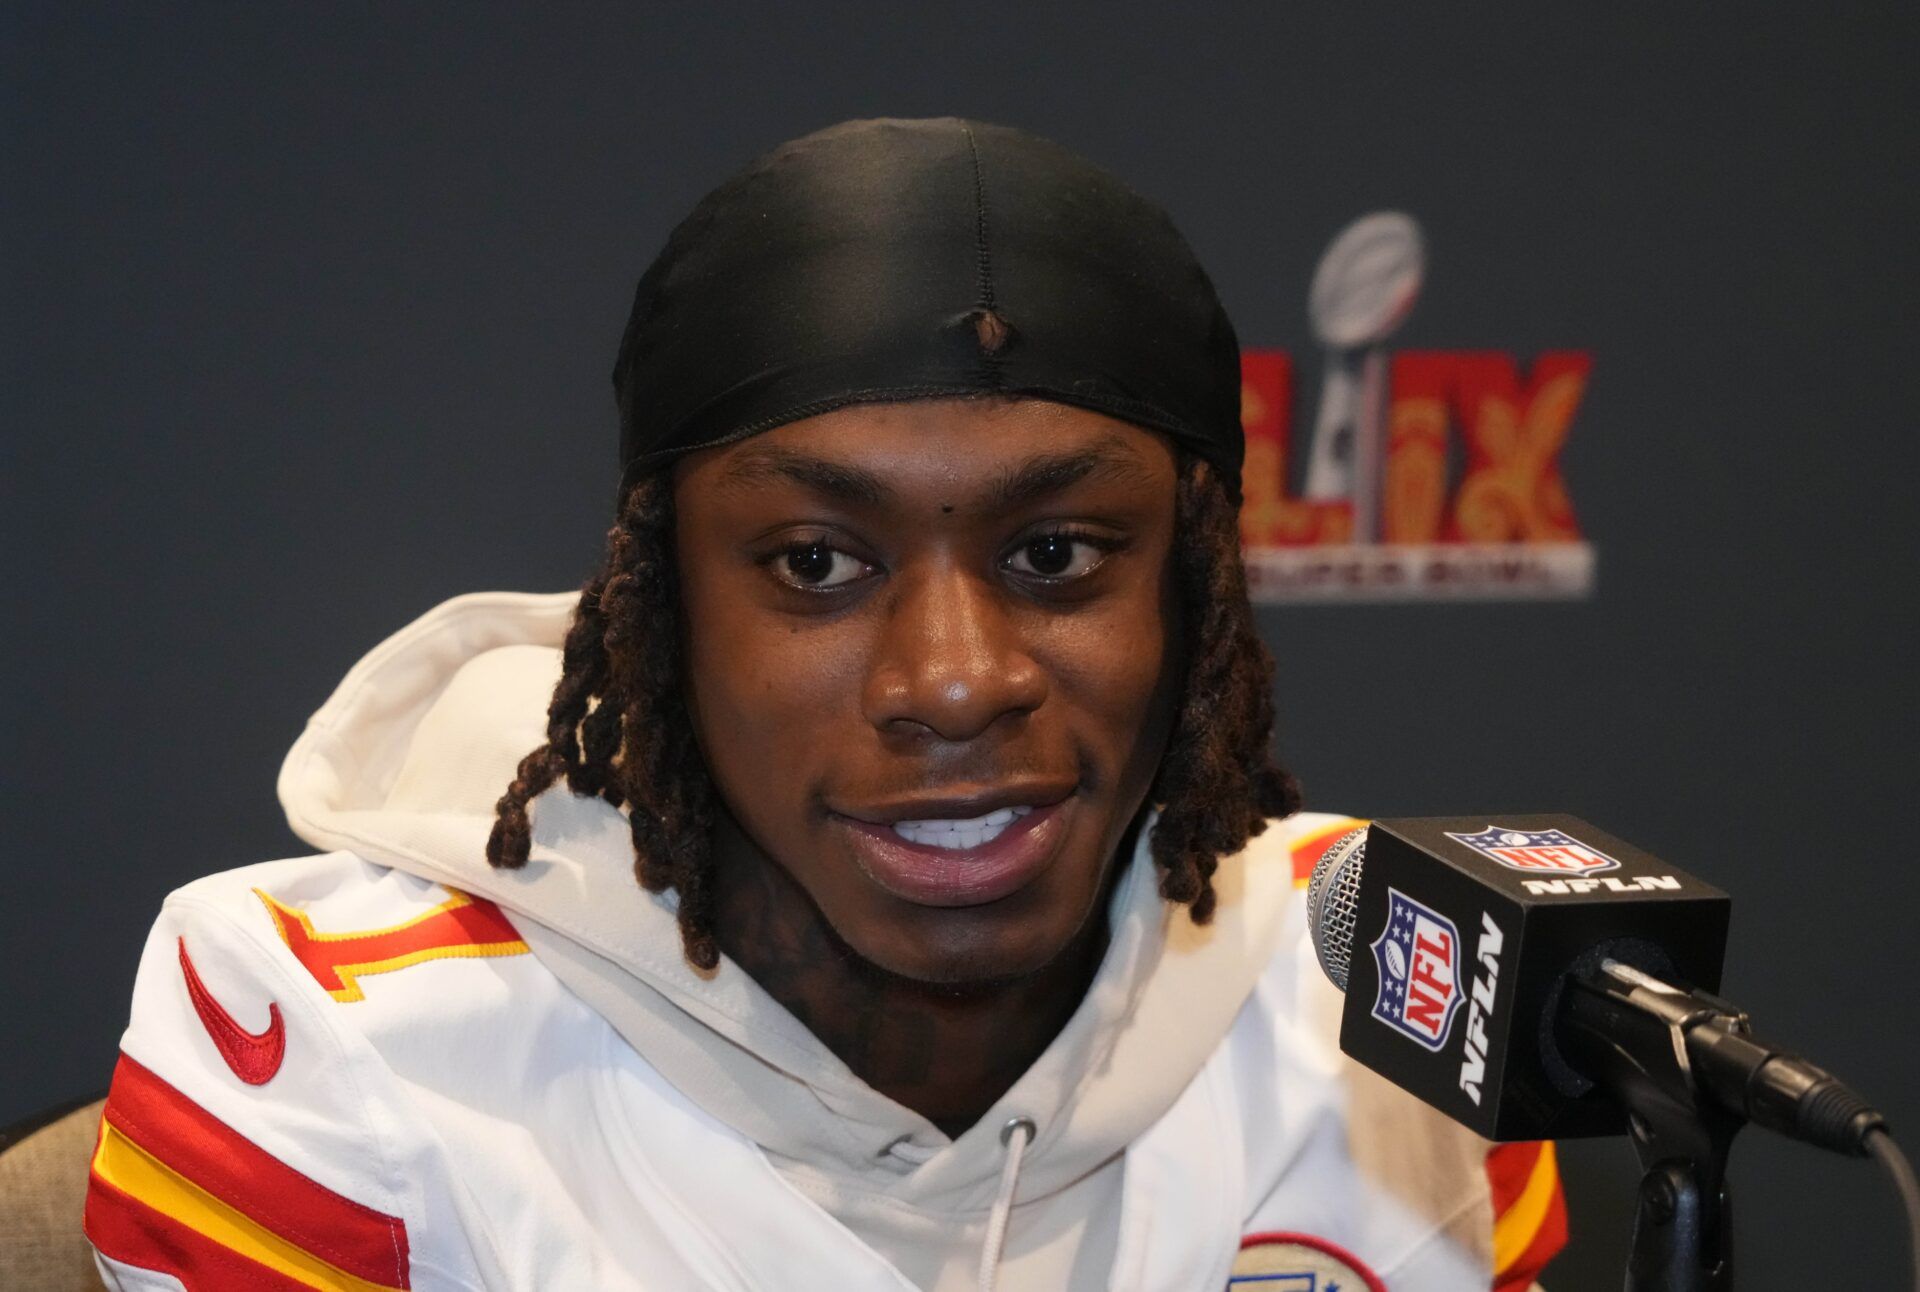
309,313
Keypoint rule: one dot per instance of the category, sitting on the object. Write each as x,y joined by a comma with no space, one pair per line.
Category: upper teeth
970,833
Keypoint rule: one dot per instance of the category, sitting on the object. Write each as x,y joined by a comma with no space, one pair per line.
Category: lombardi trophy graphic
1363,290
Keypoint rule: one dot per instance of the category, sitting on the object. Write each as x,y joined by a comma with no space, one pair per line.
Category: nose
950,660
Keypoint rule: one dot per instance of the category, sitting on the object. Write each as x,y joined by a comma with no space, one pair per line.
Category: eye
1059,556
817,567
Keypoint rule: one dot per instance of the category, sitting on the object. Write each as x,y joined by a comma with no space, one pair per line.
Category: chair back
43,1189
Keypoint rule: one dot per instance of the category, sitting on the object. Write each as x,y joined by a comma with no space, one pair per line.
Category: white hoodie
534,1090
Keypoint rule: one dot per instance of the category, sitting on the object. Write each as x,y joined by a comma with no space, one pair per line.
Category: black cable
1888,1154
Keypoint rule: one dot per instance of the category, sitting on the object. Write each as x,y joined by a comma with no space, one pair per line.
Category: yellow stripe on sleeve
128,1167
1515,1230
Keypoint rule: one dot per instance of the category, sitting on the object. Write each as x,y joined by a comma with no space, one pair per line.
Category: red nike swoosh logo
253,1056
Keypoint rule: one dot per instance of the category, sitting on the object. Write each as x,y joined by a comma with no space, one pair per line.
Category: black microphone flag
1460,936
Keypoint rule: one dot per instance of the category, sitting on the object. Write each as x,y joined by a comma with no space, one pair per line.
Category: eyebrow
834,479
1108,458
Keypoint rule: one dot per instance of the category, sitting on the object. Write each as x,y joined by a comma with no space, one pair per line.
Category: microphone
1534,977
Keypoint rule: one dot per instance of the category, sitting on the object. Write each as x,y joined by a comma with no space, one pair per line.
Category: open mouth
960,861
962,834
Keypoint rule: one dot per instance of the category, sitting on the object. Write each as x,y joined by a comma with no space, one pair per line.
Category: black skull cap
887,260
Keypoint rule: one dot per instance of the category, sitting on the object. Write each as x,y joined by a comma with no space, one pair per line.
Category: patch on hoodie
1287,1262
461,928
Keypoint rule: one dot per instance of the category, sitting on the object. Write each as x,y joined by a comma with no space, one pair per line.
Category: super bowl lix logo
1537,852
1418,958
1431,474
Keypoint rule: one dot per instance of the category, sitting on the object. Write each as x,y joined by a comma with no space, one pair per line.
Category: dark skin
916,611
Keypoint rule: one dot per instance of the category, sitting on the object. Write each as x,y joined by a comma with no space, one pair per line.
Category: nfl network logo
1551,852
1418,955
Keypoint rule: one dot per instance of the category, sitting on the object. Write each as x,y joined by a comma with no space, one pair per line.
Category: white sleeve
249,1139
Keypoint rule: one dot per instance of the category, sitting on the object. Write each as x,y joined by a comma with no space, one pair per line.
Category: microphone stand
1627,1031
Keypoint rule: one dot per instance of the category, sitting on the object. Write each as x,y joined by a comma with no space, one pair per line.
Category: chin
956,961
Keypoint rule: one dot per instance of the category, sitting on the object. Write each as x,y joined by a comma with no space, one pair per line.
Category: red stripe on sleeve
127,1230
1508,1168
366,1243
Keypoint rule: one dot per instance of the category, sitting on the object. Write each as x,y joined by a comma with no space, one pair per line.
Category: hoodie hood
403,766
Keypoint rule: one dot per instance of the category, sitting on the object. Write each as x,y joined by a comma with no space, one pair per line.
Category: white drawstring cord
1015,1135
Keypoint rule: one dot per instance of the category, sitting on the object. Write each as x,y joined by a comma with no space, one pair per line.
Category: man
920,692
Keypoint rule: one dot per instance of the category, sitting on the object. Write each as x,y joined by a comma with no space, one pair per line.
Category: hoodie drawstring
1015,1136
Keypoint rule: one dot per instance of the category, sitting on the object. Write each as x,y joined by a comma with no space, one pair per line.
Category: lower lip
931,876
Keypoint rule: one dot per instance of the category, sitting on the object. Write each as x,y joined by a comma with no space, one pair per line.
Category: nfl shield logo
1418,955
1538,852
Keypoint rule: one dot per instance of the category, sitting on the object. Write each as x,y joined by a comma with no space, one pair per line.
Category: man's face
935,612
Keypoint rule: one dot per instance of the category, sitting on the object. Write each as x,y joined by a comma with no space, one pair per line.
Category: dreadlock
1218,782
618,725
